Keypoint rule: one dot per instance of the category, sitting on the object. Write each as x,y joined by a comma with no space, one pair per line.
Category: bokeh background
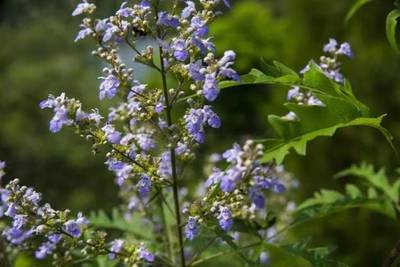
38,57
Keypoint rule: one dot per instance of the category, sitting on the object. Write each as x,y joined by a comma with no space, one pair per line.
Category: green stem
4,261
200,261
166,226
173,164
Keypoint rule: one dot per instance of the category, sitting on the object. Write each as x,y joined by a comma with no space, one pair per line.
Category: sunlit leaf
341,109
358,4
391,26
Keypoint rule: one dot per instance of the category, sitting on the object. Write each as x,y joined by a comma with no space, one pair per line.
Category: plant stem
393,256
173,164
166,228
4,261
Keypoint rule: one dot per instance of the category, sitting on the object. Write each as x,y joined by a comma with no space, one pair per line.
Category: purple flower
93,116
264,258
196,120
179,49
17,236
345,49
55,238
196,70
11,210
188,10
278,187
113,136
210,88
81,220
59,107
59,119
101,25
73,228
229,73
145,4
227,3
83,7
225,64
212,118
194,124
257,197
199,26
109,87
181,148
165,168
191,228
32,197
144,185
159,107
228,58
44,250
121,170
225,219
167,20
203,45
83,33
294,92
144,254
233,155
145,141
331,46
116,247
230,178
335,75
19,221
109,31
124,11
215,177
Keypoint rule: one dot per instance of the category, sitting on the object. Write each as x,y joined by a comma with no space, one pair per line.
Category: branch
393,256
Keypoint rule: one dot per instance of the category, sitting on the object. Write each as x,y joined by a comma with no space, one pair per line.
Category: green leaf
276,73
355,7
341,109
318,257
377,179
229,241
391,25
117,222
327,202
293,138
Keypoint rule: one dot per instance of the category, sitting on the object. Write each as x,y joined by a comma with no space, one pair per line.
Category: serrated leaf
391,26
341,109
377,179
116,221
278,148
353,191
327,202
358,4
318,256
229,241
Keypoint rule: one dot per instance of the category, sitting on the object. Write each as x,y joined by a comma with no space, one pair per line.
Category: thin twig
393,256
173,162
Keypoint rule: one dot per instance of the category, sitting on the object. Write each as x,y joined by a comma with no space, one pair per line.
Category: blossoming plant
151,133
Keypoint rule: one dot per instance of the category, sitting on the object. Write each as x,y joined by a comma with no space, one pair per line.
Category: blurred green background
38,57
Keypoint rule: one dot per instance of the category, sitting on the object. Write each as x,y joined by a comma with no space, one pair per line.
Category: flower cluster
145,144
147,141
48,231
238,191
31,219
330,66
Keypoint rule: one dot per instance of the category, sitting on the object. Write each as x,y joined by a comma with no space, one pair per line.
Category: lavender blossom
191,228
